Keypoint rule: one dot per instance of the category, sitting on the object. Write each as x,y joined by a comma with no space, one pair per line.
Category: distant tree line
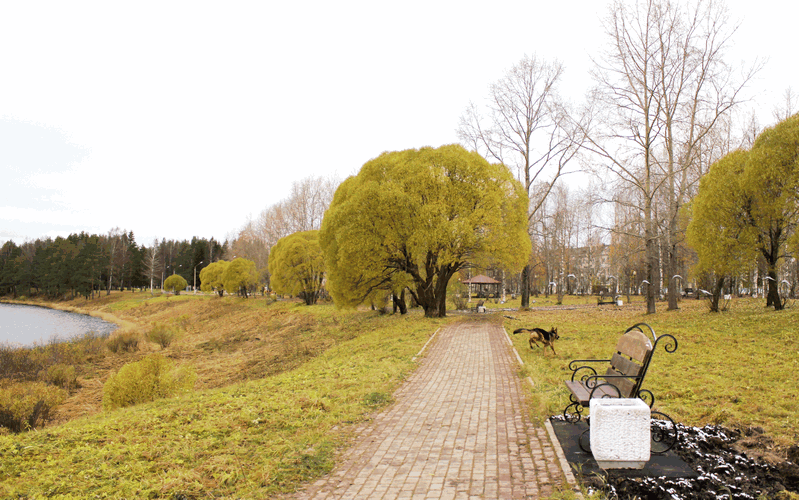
88,264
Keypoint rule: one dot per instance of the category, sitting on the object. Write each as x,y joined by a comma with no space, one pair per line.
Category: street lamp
194,286
674,278
615,284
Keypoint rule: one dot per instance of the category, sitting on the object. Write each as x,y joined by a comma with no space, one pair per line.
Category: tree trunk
525,291
774,290
716,295
670,273
399,303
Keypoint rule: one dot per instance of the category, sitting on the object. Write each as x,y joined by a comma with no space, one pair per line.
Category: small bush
63,376
458,294
26,405
162,335
151,378
124,342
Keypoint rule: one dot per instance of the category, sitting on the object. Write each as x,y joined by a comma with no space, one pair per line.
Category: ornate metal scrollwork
671,344
575,414
664,432
604,384
647,397
587,372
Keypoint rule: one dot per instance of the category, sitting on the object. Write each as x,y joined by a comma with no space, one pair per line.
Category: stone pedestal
620,434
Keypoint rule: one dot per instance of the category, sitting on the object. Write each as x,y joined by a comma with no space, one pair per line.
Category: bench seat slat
583,393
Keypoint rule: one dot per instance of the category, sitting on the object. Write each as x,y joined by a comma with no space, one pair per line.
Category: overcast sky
181,119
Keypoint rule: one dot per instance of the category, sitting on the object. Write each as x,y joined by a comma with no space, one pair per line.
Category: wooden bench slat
624,384
635,345
582,393
625,366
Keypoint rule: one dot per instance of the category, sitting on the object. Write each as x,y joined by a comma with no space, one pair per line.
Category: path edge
564,464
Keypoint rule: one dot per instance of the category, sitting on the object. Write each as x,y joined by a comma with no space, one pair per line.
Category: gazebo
483,285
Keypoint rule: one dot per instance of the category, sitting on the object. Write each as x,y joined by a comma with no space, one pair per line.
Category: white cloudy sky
180,119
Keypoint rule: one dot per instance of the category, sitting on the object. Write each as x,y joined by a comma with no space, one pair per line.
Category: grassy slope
735,368
251,430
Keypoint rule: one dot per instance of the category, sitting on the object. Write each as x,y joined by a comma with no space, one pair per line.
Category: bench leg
664,432
574,412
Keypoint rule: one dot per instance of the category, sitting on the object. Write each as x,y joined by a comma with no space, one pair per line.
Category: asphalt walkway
457,429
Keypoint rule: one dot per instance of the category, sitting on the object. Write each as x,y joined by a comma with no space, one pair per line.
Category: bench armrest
573,364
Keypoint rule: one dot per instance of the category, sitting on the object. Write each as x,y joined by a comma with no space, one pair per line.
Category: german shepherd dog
547,338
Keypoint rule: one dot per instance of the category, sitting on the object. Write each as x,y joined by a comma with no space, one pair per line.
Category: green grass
734,368
247,440
283,386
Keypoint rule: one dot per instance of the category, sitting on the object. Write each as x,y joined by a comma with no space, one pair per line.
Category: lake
27,325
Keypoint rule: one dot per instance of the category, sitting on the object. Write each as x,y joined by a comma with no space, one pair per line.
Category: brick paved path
458,429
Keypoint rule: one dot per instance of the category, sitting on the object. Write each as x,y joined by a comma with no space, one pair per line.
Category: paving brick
458,429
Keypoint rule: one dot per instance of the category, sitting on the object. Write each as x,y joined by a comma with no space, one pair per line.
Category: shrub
458,294
25,405
124,342
63,376
151,378
161,335
175,283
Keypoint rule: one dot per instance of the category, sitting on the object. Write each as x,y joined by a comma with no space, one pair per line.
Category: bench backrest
630,360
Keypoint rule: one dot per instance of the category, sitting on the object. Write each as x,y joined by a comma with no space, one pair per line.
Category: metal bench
603,299
624,374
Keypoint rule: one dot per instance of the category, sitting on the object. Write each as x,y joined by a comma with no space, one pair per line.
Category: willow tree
297,266
749,204
175,284
417,217
771,180
240,275
211,277
719,229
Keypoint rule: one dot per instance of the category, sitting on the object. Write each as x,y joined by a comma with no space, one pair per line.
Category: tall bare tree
662,87
302,210
152,262
525,125
789,107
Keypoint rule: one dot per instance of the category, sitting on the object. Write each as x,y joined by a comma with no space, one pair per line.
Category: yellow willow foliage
296,264
418,216
719,231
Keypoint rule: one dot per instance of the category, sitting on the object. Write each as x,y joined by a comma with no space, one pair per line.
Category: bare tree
789,106
662,87
113,243
152,262
526,127
303,210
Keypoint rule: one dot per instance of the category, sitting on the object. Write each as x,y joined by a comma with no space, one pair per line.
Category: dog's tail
520,330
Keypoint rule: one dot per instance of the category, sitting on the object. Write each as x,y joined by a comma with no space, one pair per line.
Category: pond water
22,325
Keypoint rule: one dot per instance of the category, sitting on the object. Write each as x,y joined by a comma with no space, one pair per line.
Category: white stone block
620,435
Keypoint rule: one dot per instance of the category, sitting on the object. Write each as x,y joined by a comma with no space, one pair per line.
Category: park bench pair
623,377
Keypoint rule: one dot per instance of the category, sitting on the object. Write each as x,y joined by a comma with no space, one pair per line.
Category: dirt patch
731,464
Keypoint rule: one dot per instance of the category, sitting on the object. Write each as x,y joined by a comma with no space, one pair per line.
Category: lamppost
642,287
194,286
674,279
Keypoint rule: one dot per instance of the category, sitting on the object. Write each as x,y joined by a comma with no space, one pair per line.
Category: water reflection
27,325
